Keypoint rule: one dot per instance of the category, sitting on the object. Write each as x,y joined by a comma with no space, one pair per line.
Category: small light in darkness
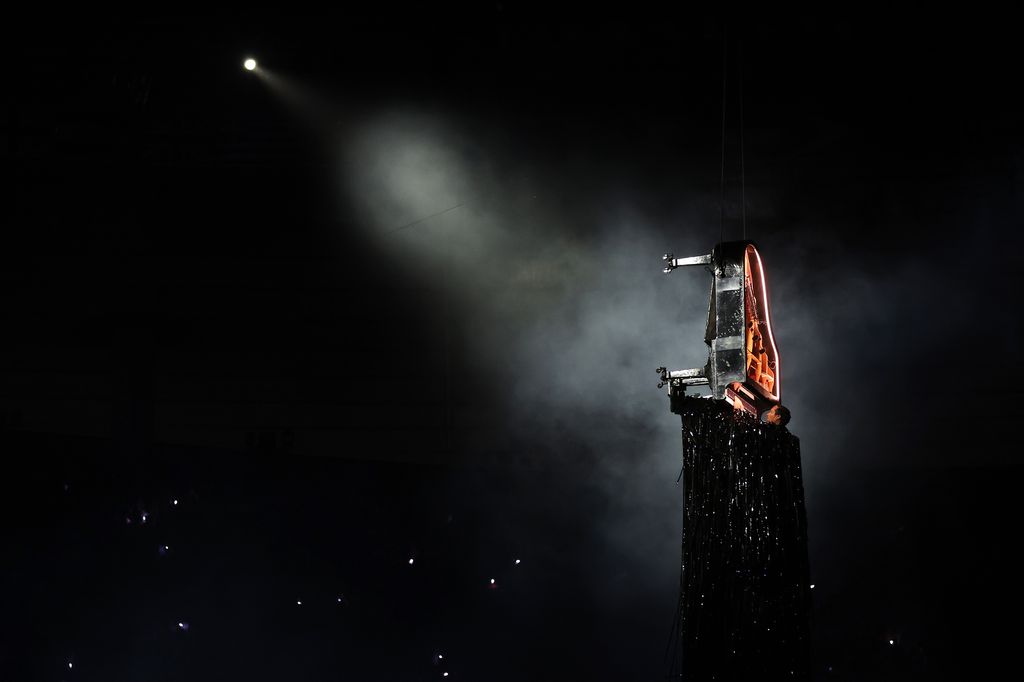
492,581
249,64
517,562
892,642
298,602
812,586
411,561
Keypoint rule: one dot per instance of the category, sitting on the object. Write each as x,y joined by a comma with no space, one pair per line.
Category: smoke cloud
558,292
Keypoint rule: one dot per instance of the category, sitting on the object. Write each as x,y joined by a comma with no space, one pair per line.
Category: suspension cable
725,76
743,170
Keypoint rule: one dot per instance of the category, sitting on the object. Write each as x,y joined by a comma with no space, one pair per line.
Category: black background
197,306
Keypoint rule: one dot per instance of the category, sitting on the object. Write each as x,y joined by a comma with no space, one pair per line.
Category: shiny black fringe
745,592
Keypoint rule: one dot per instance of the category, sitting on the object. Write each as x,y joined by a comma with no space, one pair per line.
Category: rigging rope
743,170
743,160
725,77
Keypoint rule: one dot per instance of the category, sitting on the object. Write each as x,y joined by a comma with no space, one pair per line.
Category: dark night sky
398,295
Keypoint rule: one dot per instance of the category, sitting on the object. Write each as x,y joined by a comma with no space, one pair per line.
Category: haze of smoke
571,318
568,311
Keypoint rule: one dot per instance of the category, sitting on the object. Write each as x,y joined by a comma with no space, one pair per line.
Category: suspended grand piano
743,364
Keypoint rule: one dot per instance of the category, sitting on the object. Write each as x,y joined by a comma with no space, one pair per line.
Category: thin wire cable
743,170
425,218
725,76
671,645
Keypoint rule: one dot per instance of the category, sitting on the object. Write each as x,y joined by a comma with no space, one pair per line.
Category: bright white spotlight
249,64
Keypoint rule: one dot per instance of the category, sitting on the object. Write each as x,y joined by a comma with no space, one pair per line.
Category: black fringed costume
745,591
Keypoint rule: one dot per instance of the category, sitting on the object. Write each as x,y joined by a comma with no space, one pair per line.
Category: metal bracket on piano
681,378
671,263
